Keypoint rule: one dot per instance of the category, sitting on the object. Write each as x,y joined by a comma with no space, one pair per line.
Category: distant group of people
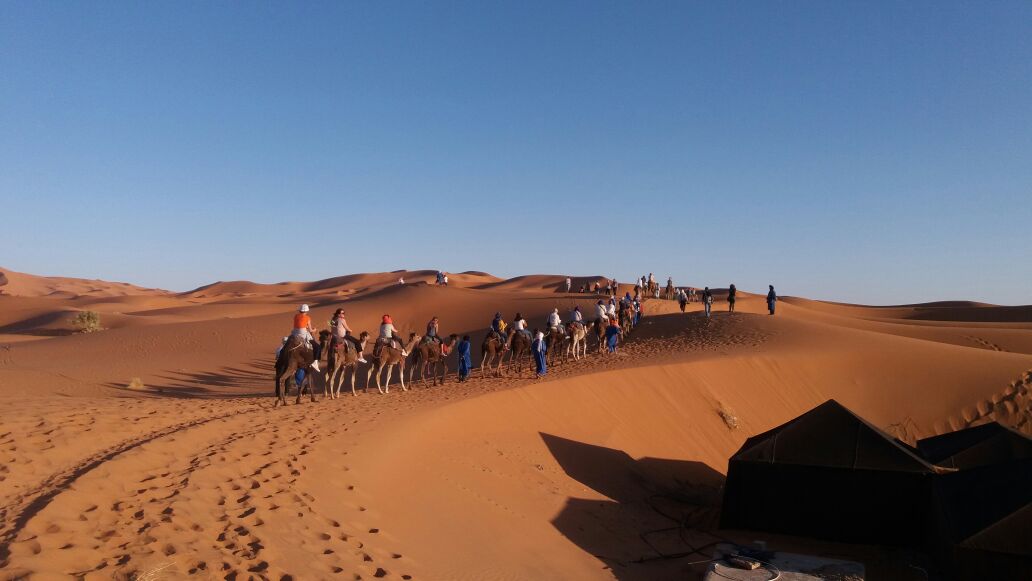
607,314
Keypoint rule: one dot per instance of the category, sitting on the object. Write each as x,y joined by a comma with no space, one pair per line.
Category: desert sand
151,449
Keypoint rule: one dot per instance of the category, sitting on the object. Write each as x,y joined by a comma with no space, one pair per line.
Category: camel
493,348
599,329
519,351
626,318
429,353
388,357
578,335
554,339
341,357
668,293
293,356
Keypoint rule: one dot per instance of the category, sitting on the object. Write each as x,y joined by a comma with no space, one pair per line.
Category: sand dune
189,470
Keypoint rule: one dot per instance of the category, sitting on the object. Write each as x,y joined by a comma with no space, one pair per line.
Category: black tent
983,445
832,475
984,509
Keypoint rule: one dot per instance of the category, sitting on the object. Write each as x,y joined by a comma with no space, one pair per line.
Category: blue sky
857,151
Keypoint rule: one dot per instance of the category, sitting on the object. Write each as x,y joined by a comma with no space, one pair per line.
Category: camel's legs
354,374
401,375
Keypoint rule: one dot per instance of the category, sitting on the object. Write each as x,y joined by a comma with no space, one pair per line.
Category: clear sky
859,151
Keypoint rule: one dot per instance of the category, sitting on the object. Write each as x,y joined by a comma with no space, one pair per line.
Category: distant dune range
191,471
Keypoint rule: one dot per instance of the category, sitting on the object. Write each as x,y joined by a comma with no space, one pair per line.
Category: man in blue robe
465,361
538,349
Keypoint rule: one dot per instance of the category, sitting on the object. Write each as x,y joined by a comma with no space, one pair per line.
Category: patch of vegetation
136,383
87,322
729,417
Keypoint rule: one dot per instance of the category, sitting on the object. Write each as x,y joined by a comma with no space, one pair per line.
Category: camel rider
611,309
498,327
303,325
520,324
388,334
342,333
431,331
576,316
303,328
600,312
554,322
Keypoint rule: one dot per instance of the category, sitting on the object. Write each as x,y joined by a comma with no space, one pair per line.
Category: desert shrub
87,322
729,417
136,383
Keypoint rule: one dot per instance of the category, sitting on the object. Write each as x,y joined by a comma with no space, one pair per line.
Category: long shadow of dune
658,511
254,380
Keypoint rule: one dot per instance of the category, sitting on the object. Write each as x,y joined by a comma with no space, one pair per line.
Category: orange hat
387,320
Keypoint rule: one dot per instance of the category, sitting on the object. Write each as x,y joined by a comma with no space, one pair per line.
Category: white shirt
576,316
519,324
611,309
600,310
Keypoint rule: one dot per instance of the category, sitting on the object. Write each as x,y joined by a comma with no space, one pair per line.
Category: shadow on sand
658,515
253,380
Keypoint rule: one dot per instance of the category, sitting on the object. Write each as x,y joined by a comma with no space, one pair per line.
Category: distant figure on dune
401,280
597,287
731,298
682,299
772,298
539,349
446,279
465,361
707,301
569,284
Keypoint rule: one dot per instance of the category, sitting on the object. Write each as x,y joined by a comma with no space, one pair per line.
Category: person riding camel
520,325
576,316
498,327
388,334
431,331
611,309
555,322
303,328
601,314
342,333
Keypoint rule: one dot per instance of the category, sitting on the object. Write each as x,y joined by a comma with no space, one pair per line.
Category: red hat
387,320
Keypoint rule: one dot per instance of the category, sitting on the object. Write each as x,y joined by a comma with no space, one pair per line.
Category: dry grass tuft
729,417
87,322
136,383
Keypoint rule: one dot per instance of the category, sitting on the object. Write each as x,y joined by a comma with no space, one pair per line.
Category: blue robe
612,336
465,361
538,348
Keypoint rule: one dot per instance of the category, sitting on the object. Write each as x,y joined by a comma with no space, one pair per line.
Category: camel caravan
340,357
